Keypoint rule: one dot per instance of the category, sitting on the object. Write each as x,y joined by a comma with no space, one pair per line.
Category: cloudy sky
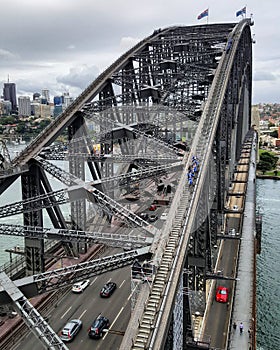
62,45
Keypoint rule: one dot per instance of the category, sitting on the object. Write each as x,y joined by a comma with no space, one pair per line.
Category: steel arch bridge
170,115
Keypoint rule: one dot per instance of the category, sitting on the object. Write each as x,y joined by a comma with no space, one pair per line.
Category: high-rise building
9,93
5,107
67,101
57,100
24,106
46,94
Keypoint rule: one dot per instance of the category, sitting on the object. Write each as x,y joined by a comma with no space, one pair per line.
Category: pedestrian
241,327
234,325
250,332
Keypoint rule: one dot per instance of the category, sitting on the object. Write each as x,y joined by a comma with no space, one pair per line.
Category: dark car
144,216
108,289
70,330
153,218
98,326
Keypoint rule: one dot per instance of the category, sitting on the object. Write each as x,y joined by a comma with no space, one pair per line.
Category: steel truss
31,316
181,68
64,235
53,279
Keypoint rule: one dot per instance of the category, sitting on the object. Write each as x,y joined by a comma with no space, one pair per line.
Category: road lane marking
121,283
66,312
93,281
82,314
130,295
120,311
114,321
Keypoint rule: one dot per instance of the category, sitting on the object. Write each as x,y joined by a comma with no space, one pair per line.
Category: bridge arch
179,93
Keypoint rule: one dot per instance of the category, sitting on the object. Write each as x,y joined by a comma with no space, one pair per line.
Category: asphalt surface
217,322
87,306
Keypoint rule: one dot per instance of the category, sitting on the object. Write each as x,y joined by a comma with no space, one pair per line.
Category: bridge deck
244,295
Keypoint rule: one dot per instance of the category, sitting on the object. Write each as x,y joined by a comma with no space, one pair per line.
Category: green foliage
274,134
8,120
267,161
21,127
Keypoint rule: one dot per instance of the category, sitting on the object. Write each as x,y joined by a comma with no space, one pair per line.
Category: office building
9,94
46,95
24,106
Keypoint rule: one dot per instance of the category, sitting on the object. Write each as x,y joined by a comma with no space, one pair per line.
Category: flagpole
208,14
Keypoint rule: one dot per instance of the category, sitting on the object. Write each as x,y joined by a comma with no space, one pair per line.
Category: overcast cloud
63,45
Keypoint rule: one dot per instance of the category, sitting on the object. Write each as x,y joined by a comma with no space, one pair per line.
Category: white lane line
110,279
66,312
82,314
120,311
93,281
130,295
121,283
114,321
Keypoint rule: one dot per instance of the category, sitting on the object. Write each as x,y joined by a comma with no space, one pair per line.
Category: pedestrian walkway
244,293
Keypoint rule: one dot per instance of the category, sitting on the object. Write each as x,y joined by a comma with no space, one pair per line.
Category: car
108,289
152,207
232,232
235,207
79,287
70,330
153,218
144,216
222,294
98,326
163,216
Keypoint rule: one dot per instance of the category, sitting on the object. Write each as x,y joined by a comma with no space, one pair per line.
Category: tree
264,166
274,134
8,120
21,127
267,161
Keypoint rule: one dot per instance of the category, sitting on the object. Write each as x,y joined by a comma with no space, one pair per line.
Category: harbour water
268,262
268,267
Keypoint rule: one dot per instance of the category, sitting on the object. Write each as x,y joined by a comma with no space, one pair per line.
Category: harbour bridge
162,128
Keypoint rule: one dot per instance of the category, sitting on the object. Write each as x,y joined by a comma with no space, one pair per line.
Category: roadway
218,316
87,306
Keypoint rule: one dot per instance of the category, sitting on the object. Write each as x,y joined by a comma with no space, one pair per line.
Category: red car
153,207
222,294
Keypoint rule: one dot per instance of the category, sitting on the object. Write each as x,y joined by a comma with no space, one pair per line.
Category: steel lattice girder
50,280
64,235
30,315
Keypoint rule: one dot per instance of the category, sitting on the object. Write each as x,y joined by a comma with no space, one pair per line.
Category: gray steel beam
31,317
54,279
66,235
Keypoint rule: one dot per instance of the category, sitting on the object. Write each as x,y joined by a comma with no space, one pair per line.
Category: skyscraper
46,94
9,93
24,106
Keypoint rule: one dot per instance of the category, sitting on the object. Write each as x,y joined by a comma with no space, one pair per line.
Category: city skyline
64,46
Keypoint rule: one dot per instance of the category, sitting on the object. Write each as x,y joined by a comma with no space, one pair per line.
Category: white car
163,216
235,207
79,287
